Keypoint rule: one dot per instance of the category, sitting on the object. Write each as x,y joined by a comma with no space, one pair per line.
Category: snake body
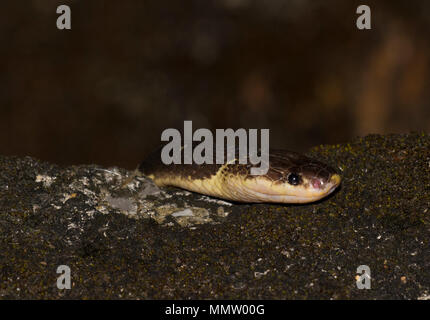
291,178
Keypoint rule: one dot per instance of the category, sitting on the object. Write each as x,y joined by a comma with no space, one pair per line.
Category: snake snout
321,184
335,179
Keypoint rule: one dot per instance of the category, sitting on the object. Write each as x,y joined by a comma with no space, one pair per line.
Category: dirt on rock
136,241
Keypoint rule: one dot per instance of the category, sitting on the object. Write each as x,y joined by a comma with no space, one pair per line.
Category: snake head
293,178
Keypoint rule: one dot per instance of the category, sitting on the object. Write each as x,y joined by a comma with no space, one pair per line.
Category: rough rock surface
126,238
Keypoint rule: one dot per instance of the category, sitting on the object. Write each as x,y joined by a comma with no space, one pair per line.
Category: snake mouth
333,183
263,190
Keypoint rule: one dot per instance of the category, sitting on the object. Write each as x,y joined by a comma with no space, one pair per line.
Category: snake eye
293,179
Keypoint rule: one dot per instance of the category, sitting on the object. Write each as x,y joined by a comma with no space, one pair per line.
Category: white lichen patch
45,179
424,296
133,185
147,188
71,226
68,197
85,181
162,212
103,209
183,213
183,193
221,212
124,204
258,275
214,200
193,216
116,190
185,217
111,174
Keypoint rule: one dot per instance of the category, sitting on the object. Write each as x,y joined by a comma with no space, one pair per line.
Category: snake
291,178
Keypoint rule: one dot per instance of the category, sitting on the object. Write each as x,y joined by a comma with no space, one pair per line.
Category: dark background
104,91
